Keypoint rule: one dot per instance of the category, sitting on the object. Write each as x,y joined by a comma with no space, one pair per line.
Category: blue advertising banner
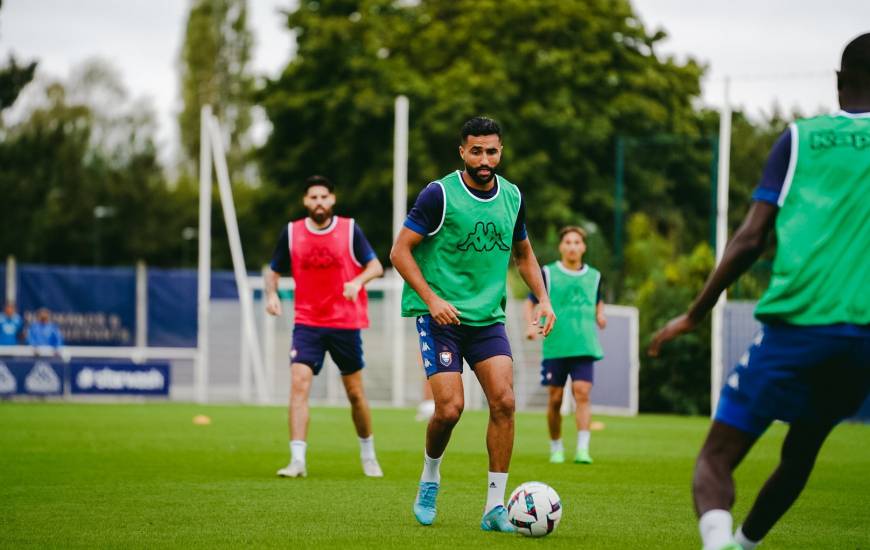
172,314
31,377
91,306
97,376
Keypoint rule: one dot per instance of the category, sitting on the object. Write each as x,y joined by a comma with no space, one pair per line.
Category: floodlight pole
716,344
400,202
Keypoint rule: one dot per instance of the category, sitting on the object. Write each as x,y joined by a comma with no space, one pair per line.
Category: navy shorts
445,346
555,372
310,344
796,373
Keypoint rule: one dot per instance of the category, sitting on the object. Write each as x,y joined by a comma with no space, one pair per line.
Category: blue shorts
796,373
555,372
445,346
310,344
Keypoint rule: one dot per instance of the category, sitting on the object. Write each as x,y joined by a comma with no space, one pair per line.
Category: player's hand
351,290
675,327
273,305
545,310
532,331
443,312
601,320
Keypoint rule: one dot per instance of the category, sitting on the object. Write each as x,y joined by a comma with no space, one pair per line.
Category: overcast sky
775,51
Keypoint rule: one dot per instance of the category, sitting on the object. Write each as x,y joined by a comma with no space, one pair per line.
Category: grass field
144,476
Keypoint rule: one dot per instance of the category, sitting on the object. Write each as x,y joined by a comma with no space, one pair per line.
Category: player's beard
320,214
473,172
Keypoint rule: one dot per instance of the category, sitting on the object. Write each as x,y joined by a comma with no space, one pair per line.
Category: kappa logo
42,379
8,384
319,257
446,358
484,238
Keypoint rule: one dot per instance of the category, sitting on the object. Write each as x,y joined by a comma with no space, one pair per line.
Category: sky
774,52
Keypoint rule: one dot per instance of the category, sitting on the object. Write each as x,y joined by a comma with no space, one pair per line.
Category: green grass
144,476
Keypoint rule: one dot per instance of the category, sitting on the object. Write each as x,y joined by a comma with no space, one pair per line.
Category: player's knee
448,413
555,402
581,395
356,396
503,404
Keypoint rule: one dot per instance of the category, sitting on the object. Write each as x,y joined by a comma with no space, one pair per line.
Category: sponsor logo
319,257
829,139
484,238
446,358
42,379
108,379
8,384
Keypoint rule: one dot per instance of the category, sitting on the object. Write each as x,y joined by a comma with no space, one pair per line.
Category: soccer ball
534,509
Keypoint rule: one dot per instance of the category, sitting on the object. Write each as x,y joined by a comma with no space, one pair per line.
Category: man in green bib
573,347
453,253
810,365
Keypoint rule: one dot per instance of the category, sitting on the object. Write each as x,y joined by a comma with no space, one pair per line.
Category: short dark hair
855,64
572,229
315,180
480,126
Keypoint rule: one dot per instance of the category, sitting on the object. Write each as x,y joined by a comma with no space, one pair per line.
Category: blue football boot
424,506
497,520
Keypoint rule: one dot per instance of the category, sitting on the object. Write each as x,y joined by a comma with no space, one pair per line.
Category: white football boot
371,468
296,468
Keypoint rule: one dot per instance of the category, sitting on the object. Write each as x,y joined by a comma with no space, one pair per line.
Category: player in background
453,253
572,347
331,262
810,365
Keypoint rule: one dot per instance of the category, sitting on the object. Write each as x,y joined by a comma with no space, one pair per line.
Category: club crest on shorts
293,353
446,358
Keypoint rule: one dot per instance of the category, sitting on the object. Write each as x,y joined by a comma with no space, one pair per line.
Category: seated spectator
10,326
44,333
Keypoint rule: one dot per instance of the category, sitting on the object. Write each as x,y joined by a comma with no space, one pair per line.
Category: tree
563,78
214,68
14,77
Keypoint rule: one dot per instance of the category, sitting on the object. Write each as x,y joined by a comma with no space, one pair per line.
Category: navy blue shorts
310,344
445,346
796,373
555,372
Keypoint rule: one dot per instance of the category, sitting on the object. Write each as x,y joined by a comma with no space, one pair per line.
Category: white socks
431,469
367,447
715,527
556,446
297,450
496,484
583,440
743,541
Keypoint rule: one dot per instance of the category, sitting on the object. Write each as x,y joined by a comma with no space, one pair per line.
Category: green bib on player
574,295
821,271
465,260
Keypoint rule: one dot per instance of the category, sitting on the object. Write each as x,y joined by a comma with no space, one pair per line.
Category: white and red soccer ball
535,509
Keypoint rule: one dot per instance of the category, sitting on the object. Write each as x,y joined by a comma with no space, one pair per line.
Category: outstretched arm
740,253
530,271
443,312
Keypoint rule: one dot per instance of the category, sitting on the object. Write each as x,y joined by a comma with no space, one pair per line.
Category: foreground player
452,253
331,261
810,366
573,347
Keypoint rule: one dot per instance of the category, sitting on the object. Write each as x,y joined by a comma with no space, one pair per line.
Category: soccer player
453,253
331,262
573,347
810,365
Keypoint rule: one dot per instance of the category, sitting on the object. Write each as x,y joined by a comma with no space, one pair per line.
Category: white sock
297,450
715,527
496,483
744,541
367,447
556,446
583,437
431,469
